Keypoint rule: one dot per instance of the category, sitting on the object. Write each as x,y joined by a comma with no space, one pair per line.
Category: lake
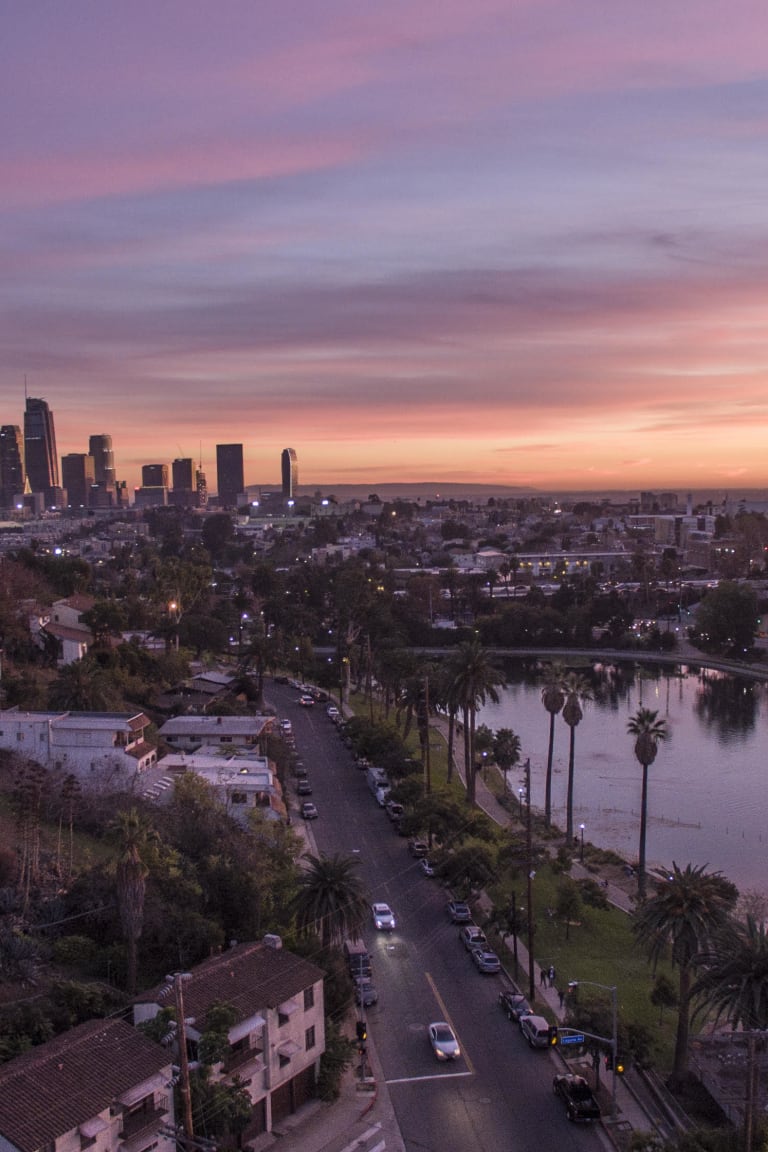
707,786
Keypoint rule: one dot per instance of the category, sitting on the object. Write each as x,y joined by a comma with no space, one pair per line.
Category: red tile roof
250,977
59,1085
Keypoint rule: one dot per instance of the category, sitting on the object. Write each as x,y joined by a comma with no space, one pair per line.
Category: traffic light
553,1035
619,1066
362,1031
609,1061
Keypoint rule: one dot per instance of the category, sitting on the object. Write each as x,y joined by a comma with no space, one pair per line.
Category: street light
615,1029
581,828
520,794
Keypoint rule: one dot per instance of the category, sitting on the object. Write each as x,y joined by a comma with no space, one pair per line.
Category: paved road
499,1095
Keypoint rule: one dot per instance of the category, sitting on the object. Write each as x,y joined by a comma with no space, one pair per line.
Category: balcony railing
137,1125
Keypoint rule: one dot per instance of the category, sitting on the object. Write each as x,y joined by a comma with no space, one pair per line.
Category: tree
726,619
83,686
475,680
331,900
131,875
577,690
648,731
568,903
506,750
687,910
734,982
553,698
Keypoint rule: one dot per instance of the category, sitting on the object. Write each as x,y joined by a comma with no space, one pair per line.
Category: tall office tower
289,467
201,484
100,447
154,475
40,459
11,464
183,492
230,475
78,474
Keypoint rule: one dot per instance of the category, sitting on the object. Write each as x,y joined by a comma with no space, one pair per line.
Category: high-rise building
11,464
289,468
78,476
100,447
154,476
201,484
230,474
183,492
40,459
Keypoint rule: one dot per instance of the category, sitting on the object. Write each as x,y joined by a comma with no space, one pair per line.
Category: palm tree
734,982
577,691
331,900
553,698
686,912
475,681
648,731
131,875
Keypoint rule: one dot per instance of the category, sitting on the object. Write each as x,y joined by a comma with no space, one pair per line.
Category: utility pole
181,1032
427,761
531,874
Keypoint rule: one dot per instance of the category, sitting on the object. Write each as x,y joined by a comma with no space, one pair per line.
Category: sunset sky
522,241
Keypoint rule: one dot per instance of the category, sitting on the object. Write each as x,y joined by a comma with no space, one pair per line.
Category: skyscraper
289,467
230,475
11,464
154,475
183,492
40,459
78,477
100,447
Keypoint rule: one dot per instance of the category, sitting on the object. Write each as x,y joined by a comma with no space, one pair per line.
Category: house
239,779
62,627
188,733
278,1036
102,1086
103,749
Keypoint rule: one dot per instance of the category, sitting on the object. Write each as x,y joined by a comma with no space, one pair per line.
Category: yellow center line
447,1018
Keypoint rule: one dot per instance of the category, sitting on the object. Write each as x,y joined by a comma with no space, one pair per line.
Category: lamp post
581,829
614,1029
531,874
520,793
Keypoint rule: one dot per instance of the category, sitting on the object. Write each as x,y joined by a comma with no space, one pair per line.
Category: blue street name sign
574,1038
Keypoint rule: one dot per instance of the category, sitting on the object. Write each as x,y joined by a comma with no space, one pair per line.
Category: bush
592,894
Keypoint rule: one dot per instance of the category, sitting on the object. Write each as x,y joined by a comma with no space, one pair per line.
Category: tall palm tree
687,910
734,982
131,875
648,731
331,899
578,691
475,681
553,698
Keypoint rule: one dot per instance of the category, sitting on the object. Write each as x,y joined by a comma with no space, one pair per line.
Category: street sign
573,1038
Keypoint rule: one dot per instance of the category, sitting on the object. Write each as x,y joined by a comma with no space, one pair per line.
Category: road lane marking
447,1018
432,1076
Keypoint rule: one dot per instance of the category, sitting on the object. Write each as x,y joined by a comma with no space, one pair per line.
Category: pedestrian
561,994
543,980
551,974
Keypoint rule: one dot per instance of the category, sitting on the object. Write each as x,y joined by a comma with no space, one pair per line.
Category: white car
443,1040
383,917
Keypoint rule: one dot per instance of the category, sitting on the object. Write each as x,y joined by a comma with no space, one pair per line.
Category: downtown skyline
521,243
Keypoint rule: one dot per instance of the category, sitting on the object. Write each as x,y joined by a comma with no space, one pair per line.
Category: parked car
459,912
308,811
383,917
333,713
418,848
514,1005
443,1040
299,771
472,937
426,866
286,726
394,810
536,1030
576,1094
304,788
485,959
365,992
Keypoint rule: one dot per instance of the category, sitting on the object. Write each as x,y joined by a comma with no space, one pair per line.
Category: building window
239,797
282,1019
284,1061
309,1038
309,998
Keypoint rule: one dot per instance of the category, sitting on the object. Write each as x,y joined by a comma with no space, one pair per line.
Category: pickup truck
576,1094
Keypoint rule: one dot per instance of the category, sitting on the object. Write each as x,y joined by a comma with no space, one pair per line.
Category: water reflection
707,785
